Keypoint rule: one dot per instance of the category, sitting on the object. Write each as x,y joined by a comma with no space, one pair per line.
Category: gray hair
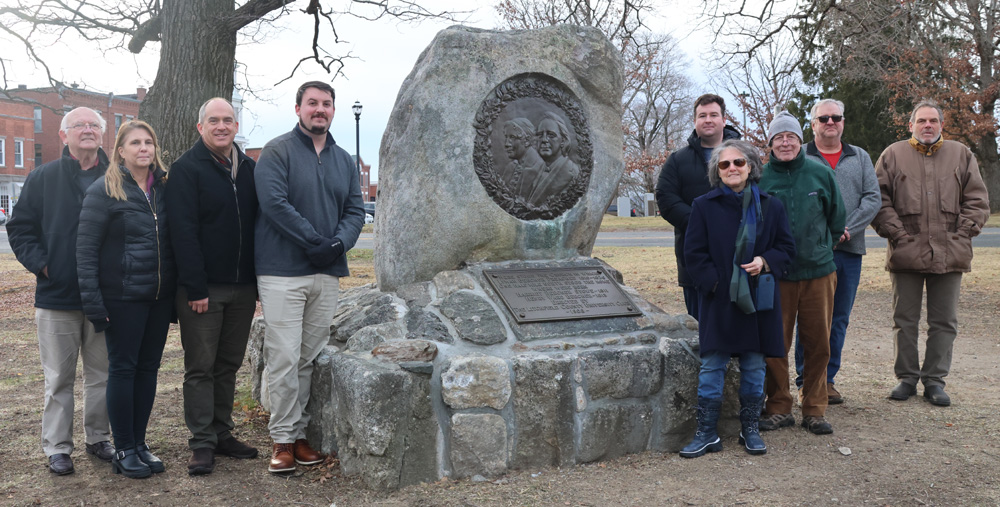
927,103
746,149
204,107
63,125
839,104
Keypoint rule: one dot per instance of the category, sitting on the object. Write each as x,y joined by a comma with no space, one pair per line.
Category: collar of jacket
924,149
728,132
71,163
308,140
789,166
203,153
813,150
159,175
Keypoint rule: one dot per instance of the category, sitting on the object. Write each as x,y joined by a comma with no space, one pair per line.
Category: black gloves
100,324
325,253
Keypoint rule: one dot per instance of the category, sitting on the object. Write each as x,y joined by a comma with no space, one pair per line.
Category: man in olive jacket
934,202
42,232
212,205
816,217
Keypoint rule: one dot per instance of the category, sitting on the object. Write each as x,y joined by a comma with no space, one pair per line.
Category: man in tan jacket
934,202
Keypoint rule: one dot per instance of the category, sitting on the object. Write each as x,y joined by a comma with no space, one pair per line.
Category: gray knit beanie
783,122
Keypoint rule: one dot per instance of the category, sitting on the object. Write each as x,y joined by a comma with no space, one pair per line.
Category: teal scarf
746,237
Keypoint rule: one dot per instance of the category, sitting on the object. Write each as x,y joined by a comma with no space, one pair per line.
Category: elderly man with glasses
42,233
859,188
816,217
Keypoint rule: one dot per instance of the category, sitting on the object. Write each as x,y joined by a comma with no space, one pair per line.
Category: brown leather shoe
202,461
833,396
305,455
281,459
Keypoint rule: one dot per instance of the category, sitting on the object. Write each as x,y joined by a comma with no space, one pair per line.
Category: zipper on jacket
239,223
156,228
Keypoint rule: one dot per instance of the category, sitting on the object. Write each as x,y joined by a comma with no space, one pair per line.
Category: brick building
54,102
17,144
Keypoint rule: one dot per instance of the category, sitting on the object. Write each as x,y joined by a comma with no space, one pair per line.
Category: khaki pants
63,336
298,312
942,324
809,303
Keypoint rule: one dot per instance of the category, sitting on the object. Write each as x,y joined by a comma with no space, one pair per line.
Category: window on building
38,119
38,154
118,123
18,152
129,118
3,151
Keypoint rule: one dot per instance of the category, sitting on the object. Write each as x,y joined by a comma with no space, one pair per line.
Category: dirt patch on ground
881,453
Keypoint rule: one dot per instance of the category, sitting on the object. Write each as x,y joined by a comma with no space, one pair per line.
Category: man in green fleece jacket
816,216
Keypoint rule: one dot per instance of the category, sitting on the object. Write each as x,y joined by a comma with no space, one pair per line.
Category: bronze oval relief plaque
533,152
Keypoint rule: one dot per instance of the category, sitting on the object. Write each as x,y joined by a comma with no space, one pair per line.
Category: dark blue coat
683,178
709,250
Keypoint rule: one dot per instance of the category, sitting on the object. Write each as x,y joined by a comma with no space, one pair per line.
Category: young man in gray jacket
311,213
862,199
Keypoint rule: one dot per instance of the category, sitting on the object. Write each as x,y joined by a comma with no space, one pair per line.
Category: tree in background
657,92
197,43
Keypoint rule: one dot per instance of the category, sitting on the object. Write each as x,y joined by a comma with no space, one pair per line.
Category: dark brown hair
319,85
710,98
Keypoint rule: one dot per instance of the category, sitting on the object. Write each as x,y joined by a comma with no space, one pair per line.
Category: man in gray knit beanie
783,122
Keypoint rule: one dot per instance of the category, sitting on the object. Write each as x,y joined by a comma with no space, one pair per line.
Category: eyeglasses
739,162
85,126
827,117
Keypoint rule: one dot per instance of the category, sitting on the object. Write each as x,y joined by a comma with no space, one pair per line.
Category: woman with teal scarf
736,233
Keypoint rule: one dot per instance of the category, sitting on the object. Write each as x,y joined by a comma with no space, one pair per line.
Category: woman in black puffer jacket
126,272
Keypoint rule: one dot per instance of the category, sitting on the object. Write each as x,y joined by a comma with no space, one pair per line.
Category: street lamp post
745,96
357,134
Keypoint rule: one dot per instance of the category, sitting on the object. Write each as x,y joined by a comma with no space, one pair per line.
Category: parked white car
3,217
369,219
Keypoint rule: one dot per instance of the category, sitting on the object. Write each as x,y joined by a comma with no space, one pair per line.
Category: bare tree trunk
197,56
989,165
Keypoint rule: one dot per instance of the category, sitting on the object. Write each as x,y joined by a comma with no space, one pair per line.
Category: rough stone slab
418,367
478,445
543,407
476,381
614,430
367,338
423,325
255,359
406,351
475,320
416,295
420,443
622,373
363,310
678,395
321,432
448,282
429,191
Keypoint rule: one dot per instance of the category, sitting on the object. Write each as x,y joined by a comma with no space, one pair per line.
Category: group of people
800,218
120,250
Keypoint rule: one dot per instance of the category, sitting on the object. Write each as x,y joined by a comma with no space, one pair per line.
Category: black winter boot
750,432
705,438
127,463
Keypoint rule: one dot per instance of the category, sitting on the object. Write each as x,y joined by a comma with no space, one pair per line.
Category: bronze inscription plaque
544,294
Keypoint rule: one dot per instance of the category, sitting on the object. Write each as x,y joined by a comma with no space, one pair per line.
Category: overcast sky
384,53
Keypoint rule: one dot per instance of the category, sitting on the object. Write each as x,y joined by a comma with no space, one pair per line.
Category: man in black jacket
685,176
42,232
212,205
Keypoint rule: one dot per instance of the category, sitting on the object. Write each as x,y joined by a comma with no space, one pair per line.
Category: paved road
989,238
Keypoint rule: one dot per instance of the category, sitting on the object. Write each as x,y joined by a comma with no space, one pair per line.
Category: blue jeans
712,376
848,278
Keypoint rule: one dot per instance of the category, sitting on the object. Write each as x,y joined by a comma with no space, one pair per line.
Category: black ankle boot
154,463
127,463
